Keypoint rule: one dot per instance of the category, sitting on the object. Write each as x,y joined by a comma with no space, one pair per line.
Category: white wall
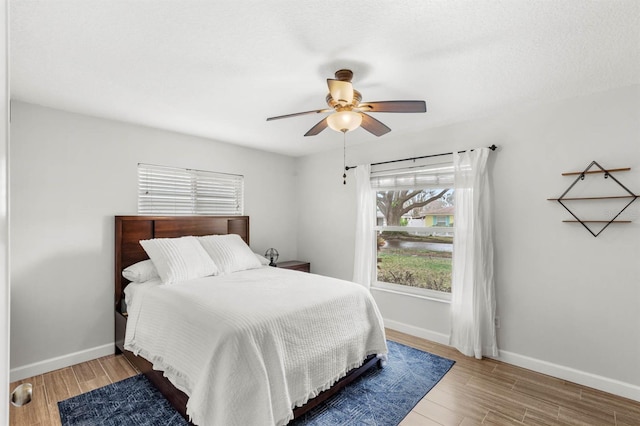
70,174
568,302
4,224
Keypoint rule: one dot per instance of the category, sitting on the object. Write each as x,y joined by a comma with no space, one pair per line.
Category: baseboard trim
63,361
417,331
605,384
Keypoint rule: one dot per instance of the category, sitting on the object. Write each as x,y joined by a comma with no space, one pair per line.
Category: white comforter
249,346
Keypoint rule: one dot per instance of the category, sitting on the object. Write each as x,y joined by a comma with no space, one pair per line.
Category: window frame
426,176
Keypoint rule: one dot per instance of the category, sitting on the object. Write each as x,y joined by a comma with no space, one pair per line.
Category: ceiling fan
349,113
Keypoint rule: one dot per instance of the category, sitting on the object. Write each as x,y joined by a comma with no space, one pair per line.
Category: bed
269,339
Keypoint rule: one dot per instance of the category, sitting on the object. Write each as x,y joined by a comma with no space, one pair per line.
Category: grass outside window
423,263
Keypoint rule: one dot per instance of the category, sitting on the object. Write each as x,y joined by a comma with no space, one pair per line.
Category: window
176,191
415,210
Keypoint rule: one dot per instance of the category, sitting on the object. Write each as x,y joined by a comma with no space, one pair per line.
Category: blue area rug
133,401
381,397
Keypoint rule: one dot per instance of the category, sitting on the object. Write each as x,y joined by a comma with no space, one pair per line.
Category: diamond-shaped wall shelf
623,196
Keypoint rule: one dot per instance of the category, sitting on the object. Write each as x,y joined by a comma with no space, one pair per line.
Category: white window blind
422,176
176,191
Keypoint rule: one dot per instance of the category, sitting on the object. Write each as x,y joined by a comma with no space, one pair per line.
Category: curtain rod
492,148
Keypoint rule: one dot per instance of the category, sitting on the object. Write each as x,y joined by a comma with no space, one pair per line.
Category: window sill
443,299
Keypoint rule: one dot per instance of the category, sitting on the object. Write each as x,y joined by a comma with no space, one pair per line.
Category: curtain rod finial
493,147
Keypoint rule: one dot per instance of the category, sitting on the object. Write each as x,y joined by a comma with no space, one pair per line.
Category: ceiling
218,69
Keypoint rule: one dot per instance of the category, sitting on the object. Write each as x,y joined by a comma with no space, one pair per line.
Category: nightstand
296,265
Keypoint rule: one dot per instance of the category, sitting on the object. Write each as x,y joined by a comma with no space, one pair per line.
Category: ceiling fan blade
373,126
341,91
299,113
394,106
317,128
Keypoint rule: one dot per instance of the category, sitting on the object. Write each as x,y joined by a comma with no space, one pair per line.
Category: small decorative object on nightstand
272,255
296,265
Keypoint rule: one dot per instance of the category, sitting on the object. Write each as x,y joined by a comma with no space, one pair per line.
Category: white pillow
179,259
229,252
263,260
141,271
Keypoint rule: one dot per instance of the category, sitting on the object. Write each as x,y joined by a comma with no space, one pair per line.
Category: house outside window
415,229
439,216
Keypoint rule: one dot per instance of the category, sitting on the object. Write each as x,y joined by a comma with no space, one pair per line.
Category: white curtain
472,290
365,252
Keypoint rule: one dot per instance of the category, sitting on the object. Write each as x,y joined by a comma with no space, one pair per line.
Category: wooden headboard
129,230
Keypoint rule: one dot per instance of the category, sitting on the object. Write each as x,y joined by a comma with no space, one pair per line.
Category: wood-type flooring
473,392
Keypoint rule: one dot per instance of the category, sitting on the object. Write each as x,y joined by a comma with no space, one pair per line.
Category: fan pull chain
344,157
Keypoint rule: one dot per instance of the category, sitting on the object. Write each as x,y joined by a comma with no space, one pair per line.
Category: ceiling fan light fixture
341,91
344,121
350,112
